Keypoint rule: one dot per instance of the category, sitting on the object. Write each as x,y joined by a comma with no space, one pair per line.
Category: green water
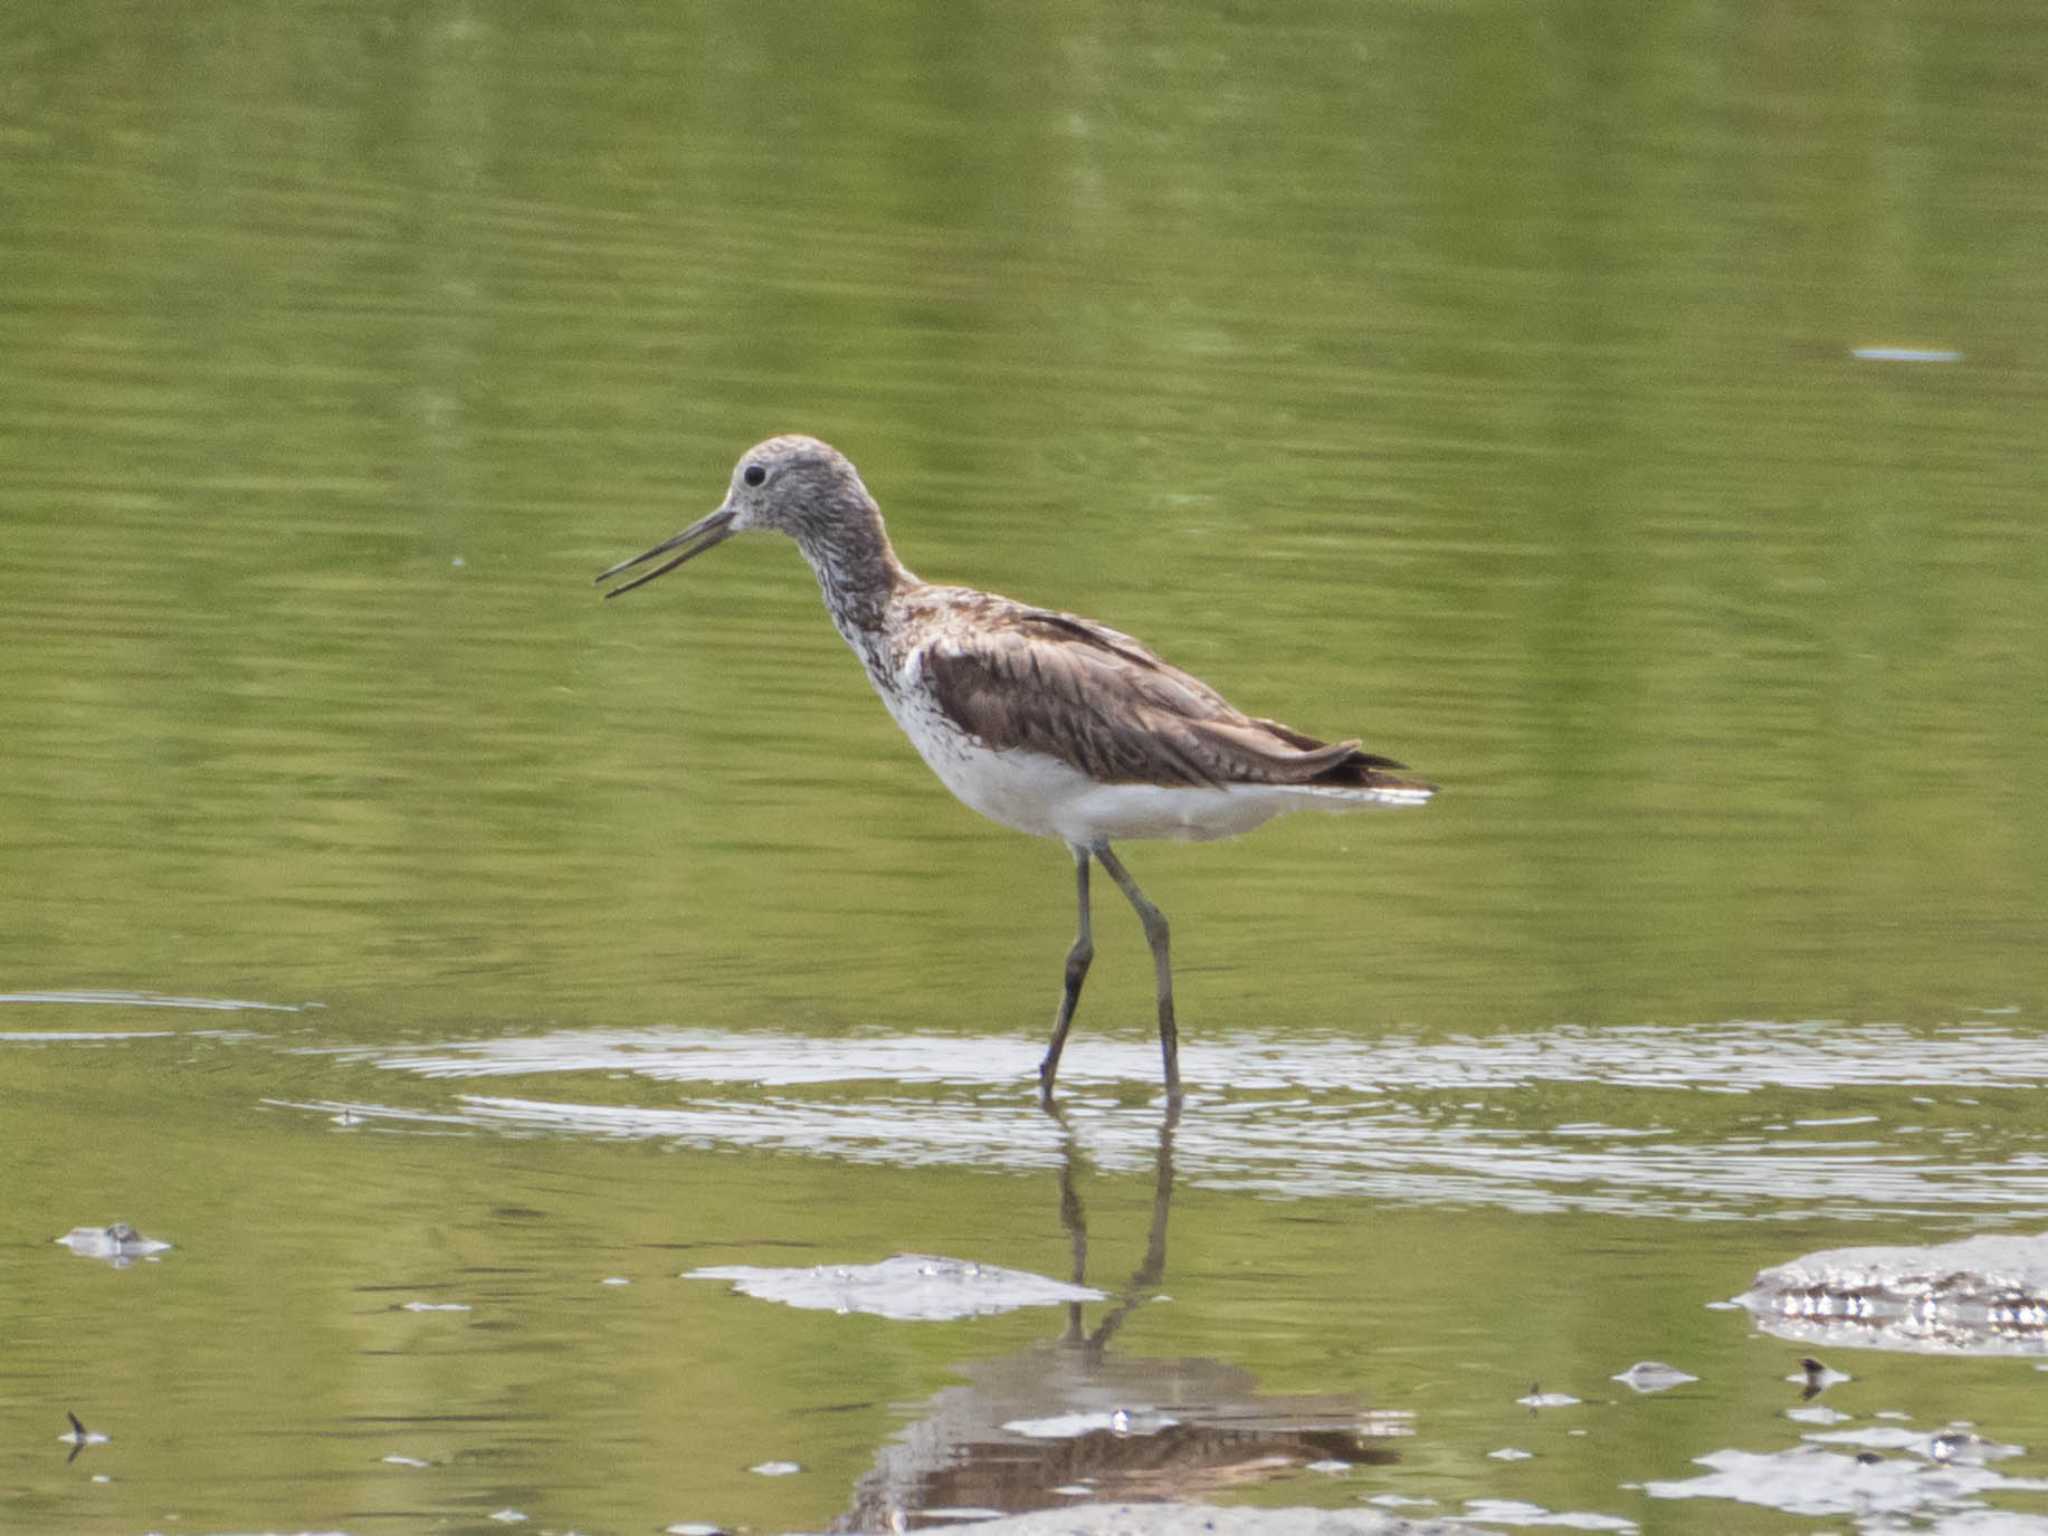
1477,379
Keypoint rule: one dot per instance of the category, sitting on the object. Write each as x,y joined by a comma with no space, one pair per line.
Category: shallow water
477,1257
1631,423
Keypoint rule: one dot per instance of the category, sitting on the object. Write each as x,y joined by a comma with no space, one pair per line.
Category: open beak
691,542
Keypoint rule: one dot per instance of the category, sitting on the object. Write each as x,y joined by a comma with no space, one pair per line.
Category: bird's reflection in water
1067,1422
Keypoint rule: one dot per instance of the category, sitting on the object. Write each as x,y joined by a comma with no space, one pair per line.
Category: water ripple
119,999
1736,1057
1685,1122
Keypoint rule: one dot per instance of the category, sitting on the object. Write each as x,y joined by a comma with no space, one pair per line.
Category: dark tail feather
1368,770
1346,765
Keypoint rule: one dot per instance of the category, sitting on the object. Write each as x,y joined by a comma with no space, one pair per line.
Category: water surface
1630,421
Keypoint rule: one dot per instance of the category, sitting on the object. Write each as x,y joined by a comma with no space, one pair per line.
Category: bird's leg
1155,935
1078,959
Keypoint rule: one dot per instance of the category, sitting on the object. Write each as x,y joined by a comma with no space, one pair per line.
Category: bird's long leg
1078,959
1155,935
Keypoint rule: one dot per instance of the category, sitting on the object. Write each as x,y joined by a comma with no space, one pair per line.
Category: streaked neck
857,570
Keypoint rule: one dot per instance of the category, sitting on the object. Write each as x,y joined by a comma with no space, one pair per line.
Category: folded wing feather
1064,686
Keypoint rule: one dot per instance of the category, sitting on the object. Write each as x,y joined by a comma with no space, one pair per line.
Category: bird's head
793,485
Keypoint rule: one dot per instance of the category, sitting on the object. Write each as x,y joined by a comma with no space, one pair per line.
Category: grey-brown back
1033,679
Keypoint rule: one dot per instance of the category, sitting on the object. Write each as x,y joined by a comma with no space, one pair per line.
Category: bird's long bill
692,541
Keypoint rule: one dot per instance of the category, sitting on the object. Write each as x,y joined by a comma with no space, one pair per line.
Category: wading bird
1049,723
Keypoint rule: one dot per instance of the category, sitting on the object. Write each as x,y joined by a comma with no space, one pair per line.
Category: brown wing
1040,681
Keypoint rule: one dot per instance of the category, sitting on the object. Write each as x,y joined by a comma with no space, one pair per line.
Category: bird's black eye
753,474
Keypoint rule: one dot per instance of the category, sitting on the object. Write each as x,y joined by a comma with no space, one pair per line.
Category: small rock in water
777,1469
119,1244
1653,1376
1961,1445
1548,1400
1510,1453
692,1528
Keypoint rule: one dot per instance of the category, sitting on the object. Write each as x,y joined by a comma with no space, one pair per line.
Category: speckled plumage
1043,721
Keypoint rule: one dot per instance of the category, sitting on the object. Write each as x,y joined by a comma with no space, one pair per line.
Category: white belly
1045,797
